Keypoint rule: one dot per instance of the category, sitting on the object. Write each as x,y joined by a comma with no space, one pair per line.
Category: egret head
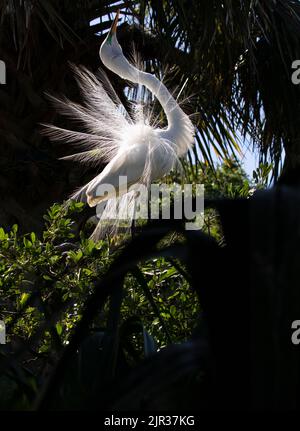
110,48
112,55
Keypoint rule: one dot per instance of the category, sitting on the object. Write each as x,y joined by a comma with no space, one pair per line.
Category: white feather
126,142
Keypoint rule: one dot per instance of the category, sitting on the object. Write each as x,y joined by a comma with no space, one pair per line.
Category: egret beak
113,29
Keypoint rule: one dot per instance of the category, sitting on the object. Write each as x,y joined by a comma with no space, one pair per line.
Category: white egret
134,150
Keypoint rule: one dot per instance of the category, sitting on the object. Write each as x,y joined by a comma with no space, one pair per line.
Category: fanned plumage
110,132
128,142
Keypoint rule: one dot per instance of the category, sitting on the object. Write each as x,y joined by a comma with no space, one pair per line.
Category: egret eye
109,39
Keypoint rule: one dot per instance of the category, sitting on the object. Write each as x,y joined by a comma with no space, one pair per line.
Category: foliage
46,281
163,322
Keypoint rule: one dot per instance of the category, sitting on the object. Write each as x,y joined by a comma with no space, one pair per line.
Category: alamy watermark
296,332
159,201
296,73
2,332
2,73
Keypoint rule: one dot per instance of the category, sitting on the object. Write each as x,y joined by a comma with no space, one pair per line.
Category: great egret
134,150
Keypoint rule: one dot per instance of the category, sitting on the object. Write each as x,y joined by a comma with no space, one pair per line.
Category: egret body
131,147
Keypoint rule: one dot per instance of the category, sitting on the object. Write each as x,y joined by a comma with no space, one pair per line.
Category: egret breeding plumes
128,144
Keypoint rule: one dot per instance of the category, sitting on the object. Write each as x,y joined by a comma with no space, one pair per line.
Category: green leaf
59,328
2,234
75,256
173,310
24,298
27,243
15,228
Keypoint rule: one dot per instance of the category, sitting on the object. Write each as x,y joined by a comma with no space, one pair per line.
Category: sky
249,158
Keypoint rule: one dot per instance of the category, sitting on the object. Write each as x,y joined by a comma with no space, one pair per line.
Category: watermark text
2,72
